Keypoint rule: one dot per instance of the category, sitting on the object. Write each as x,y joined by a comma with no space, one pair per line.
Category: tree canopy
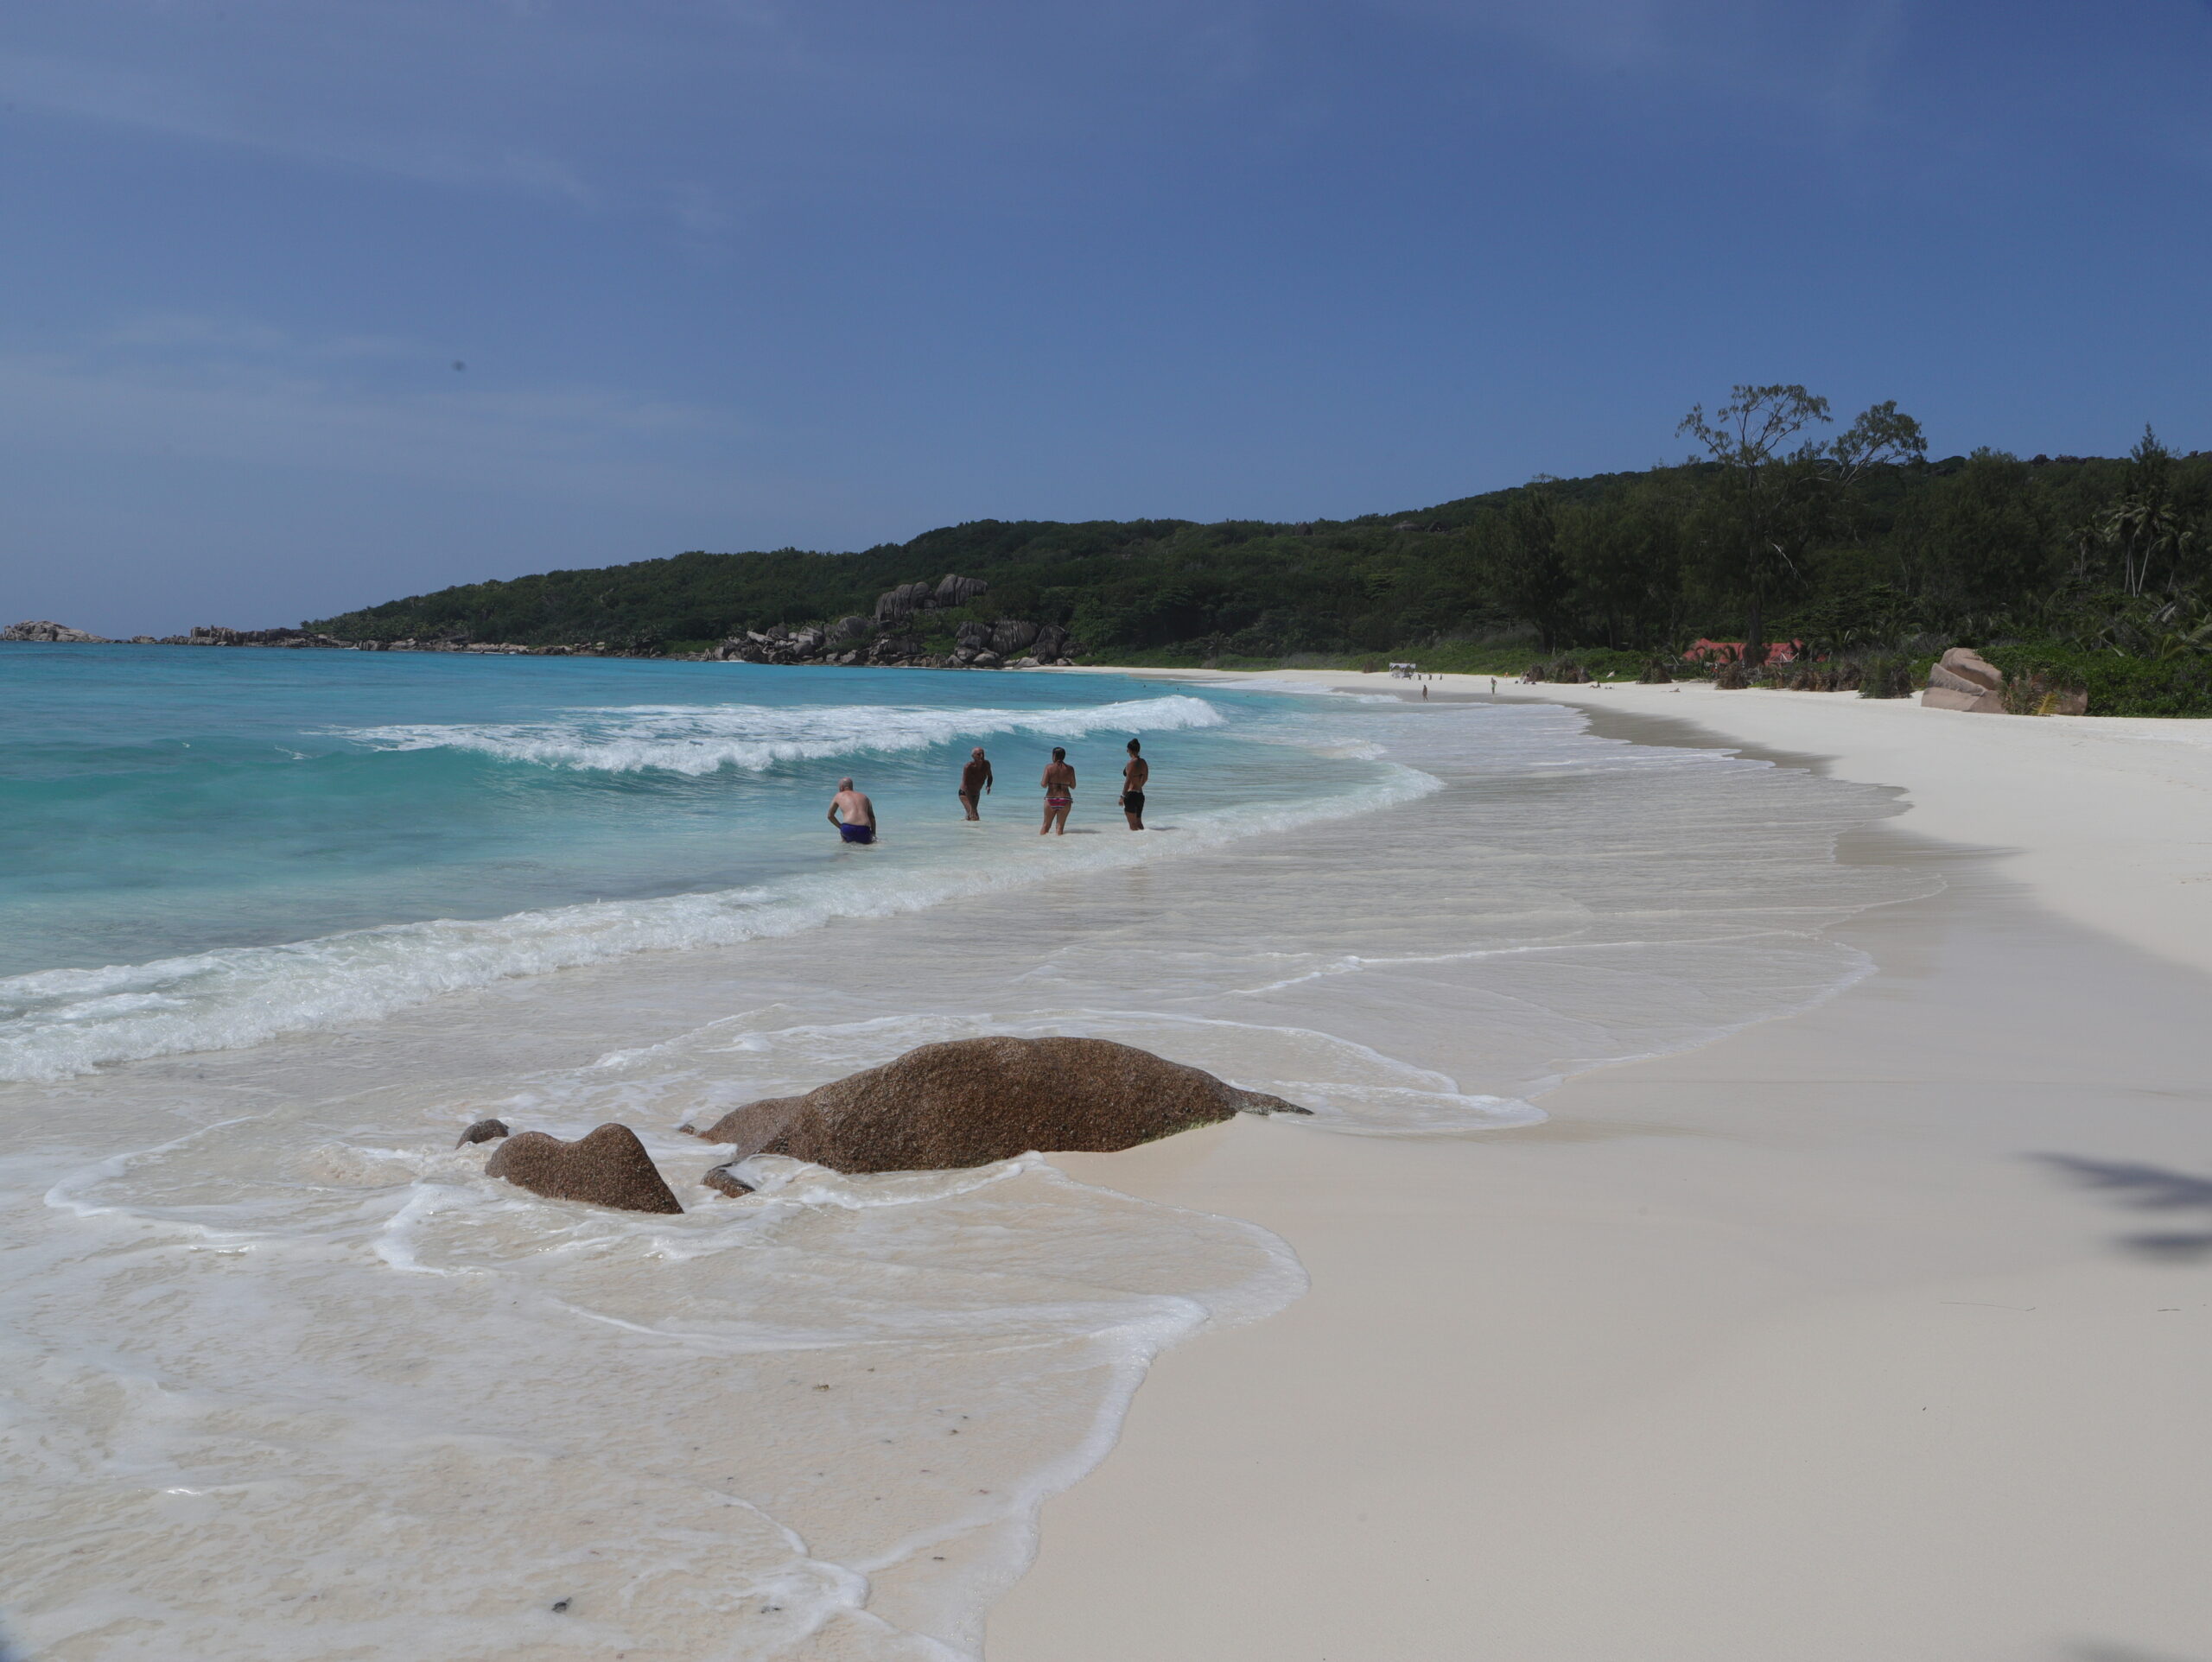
1769,533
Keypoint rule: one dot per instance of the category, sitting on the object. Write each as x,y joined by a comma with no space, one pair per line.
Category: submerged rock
974,1100
610,1167
483,1130
723,1181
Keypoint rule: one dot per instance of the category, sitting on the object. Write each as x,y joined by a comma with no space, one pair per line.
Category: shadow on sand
2149,1188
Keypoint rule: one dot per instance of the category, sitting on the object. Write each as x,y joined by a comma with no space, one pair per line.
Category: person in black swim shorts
1134,777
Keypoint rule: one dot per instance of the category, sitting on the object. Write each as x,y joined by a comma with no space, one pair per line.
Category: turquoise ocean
203,847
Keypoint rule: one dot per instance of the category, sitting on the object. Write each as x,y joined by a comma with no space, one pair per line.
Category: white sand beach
1881,1330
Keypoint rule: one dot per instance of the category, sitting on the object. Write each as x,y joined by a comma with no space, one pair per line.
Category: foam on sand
675,1414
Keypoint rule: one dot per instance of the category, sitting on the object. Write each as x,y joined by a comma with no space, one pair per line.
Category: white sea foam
1309,689
59,1022
394,1408
702,739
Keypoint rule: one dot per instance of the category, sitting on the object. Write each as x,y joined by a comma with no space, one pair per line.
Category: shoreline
1877,1329
2112,852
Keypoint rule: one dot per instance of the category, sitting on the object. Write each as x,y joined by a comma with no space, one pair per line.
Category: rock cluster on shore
887,640
1964,680
938,1108
214,635
971,1101
41,629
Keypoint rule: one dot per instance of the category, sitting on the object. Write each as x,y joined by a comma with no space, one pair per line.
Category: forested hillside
1852,542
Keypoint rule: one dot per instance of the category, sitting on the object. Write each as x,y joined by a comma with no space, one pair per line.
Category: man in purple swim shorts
852,814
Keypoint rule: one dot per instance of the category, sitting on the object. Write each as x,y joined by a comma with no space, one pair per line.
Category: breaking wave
704,739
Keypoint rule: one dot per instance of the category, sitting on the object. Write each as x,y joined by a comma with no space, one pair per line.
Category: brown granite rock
483,1130
610,1167
723,1181
1964,680
976,1100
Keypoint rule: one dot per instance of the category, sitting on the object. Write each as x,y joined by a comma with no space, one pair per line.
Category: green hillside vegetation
1855,544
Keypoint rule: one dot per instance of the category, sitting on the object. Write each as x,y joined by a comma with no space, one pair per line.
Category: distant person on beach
1132,783
974,781
852,814
1059,792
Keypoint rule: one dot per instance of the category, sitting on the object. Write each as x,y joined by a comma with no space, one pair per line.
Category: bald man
852,814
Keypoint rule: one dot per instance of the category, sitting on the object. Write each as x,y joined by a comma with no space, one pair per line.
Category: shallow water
288,1377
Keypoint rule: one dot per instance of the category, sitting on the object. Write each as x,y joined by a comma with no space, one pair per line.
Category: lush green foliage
1843,544
2117,685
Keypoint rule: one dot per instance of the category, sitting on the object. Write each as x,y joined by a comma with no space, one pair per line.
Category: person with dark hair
1059,792
975,780
1132,783
852,814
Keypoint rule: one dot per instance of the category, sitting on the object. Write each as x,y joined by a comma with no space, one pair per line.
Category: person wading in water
975,780
1059,791
1132,783
852,814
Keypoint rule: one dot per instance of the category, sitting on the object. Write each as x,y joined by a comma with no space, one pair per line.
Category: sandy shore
1882,1331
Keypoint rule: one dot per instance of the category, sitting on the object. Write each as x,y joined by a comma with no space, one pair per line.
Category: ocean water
221,846
282,1375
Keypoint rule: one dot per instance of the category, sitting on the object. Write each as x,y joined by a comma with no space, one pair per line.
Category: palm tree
2143,525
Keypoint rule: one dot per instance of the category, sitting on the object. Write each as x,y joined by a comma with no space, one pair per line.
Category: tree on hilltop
1779,495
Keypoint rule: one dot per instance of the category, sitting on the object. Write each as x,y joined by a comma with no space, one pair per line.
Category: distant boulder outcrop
610,1167
971,1101
52,633
1964,680
896,603
894,638
950,590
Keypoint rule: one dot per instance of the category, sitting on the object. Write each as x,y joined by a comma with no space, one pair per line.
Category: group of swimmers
854,814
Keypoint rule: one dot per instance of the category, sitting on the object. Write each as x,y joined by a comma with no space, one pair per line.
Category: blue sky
733,276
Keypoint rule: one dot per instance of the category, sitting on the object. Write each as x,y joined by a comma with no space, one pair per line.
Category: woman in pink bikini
1059,792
